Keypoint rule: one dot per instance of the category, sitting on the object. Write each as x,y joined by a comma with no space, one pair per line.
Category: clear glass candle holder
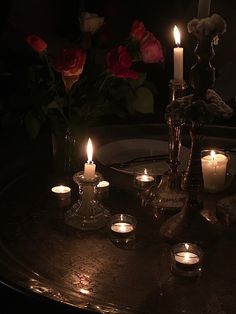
186,259
122,229
214,169
144,179
87,213
103,190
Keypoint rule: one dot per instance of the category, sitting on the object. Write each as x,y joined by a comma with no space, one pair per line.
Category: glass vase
66,152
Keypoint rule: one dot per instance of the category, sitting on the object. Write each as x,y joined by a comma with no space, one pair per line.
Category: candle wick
89,162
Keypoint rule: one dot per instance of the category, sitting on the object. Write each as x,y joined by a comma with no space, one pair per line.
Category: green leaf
32,125
139,82
130,99
142,100
53,105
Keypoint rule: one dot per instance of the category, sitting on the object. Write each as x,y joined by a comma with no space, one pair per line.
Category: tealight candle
143,179
103,190
214,165
122,228
61,192
186,259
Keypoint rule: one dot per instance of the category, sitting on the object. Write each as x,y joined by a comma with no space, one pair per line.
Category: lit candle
89,166
186,259
143,180
178,57
102,190
145,177
214,166
122,227
103,184
203,8
61,192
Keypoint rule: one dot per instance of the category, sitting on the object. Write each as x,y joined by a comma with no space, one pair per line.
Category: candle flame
213,155
90,151
176,36
145,171
186,246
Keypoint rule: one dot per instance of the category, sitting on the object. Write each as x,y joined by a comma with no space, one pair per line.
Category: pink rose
119,62
150,49
138,30
70,63
37,43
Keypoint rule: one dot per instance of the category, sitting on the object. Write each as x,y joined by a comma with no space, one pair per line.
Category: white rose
90,22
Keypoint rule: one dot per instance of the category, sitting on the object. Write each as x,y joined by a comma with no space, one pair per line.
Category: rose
70,63
138,30
119,62
90,22
37,43
150,49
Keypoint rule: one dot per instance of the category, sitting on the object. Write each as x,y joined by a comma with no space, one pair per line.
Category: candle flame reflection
90,151
176,36
84,291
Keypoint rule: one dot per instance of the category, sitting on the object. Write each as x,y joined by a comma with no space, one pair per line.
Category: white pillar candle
214,167
178,57
203,8
89,166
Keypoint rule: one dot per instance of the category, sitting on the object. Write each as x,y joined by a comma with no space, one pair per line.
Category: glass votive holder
214,169
61,192
143,179
186,259
103,190
122,229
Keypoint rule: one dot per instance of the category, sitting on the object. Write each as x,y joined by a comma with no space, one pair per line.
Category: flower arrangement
211,26
97,81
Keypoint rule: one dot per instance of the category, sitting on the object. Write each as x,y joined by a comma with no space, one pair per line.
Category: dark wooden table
41,256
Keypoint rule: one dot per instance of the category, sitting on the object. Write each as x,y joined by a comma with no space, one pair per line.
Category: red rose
119,62
37,43
150,49
70,63
138,30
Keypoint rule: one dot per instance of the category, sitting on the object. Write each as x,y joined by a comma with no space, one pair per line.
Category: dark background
57,19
